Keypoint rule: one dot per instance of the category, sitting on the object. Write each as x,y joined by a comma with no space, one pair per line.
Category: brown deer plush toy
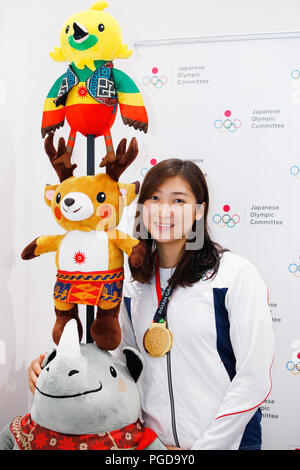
89,256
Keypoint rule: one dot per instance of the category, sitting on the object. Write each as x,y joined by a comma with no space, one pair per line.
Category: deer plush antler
123,159
60,159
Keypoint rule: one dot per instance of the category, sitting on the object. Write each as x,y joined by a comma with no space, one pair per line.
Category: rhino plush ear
48,358
134,361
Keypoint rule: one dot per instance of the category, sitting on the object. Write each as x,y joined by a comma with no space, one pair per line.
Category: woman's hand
34,371
174,448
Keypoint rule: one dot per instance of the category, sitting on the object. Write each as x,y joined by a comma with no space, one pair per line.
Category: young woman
203,383
206,391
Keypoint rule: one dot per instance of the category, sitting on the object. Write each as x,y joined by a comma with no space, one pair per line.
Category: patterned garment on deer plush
89,287
31,436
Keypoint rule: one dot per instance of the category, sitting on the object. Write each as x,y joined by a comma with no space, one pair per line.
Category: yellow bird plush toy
90,92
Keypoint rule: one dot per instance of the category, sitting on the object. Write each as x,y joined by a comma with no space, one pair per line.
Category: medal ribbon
163,300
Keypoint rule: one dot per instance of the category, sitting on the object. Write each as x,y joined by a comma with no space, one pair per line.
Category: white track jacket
206,392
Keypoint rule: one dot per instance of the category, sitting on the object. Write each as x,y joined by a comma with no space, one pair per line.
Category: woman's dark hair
193,264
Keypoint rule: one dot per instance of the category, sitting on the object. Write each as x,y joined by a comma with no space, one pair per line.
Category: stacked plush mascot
89,256
90,92
84,400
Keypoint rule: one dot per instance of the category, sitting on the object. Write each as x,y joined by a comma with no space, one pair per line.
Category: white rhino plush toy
85,399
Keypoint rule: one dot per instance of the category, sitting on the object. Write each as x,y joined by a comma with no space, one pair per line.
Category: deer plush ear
49,192
129,191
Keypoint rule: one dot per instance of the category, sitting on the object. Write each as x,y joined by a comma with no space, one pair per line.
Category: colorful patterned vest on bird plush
100,85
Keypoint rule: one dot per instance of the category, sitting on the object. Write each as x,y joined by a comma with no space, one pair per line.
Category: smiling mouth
161,225
71,396
72,212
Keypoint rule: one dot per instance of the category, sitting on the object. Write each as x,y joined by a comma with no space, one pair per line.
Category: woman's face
171,210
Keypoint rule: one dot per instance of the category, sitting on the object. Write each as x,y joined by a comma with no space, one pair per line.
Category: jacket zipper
171,396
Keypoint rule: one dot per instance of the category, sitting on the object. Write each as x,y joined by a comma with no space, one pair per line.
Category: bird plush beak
81,39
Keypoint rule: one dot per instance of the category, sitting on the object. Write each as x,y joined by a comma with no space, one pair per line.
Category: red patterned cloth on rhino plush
30,436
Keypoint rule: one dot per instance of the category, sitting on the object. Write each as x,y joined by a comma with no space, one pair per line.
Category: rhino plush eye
58,198
101,197
113,371
67,29
101,27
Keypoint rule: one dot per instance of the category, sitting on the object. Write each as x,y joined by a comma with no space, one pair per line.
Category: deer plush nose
69,201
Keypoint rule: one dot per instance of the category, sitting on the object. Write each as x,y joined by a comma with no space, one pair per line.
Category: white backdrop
252,171
232,105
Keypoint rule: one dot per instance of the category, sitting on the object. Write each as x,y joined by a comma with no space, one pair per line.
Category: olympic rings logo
155,81
144,170
294,269
295,171
226,220
206,276
293,367
295,74
227,124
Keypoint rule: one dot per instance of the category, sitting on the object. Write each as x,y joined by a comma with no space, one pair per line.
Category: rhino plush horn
69,341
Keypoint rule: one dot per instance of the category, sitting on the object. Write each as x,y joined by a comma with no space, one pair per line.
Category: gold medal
158,340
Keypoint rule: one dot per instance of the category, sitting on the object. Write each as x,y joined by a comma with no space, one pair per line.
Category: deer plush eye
58,198
67,29
101,197
101,27
113,371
